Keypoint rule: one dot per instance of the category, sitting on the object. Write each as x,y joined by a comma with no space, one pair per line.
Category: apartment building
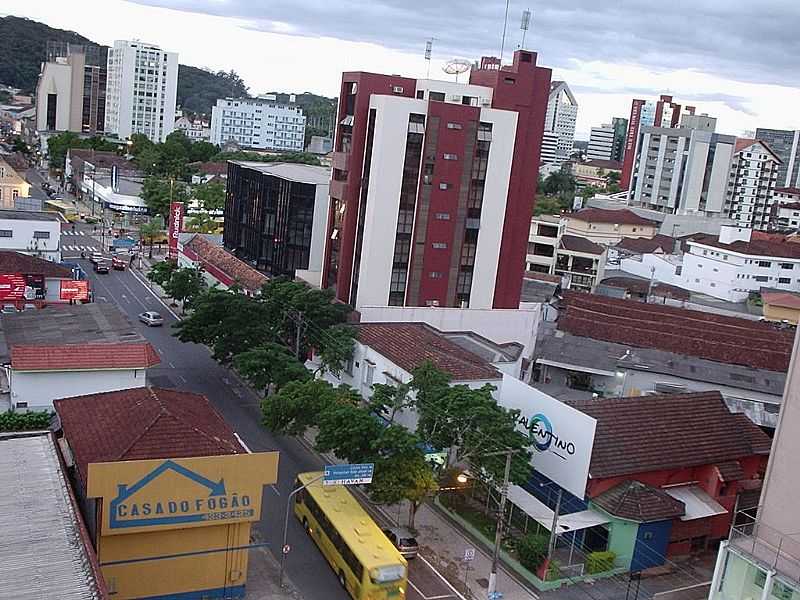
262,123
608,227
141,90
753,175
786,145
761,559
607,142
432,185
562,112
195,129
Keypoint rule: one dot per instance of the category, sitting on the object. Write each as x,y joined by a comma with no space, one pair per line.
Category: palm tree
148,231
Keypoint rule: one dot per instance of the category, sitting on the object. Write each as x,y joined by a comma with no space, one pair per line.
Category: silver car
403,540
151,318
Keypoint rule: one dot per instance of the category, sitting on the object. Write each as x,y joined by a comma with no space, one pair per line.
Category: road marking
182,378
164,304
419,591
447,583
274,489
171,365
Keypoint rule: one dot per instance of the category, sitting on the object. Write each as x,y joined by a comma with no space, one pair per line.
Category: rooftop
637,501
755,247
621,216
143,423
576,243
29,215
611,165
658,243
211,167
212,254
788,190
44,553
693,333
17,262
409,345
672,431
297,172
636,285
780,298
102,159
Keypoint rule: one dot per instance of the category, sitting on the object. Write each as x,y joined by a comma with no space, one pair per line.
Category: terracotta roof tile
576,243
602,215
782,299
211,167
409,345
16,262
143,423
730,471
248,277
673,431
688,332
755,247
73,357
661,242
642,286
637,501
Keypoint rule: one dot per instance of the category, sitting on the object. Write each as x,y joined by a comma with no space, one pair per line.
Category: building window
6,233
764,263
761,278
439,245
450,156
784,280
436,96
454,125
369,372
435,274
788,266
41,235
444,186
443,216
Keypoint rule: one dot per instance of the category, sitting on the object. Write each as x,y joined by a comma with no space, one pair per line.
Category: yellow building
167,489
781,306
608,227
12,185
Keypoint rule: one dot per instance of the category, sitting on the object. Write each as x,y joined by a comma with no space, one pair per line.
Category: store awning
698,503
539,511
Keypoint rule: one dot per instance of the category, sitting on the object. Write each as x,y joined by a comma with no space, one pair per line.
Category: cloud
736,39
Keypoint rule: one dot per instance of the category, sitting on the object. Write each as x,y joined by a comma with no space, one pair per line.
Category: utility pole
498,533
284,547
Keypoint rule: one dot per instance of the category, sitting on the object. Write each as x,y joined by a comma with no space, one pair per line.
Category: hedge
600,562
532,550
29,421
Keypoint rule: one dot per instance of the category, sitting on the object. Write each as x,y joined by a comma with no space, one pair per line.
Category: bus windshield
387,573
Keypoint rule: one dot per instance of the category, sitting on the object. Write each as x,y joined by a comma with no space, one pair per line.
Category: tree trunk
412,513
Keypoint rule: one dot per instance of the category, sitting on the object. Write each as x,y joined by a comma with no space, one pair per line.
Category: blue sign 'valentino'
540,431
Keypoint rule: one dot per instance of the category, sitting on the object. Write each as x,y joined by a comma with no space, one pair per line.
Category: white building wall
718,182
40,388
695,173
655,266
28,237
549,148
601,143
56,78
454,92
258,123
560,118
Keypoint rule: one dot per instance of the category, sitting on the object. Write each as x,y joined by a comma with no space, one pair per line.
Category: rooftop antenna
525,25
503,42
457,66
428,48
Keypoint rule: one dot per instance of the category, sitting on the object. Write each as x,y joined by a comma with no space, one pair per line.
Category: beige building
781,306
12,185
609,227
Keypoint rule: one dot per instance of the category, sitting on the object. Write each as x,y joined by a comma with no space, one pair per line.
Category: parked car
403,540
9,309
151,318
101,267
118,264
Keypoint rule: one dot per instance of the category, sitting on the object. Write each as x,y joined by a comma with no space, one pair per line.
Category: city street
190,367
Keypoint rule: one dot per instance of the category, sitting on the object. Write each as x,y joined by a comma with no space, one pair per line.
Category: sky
733,59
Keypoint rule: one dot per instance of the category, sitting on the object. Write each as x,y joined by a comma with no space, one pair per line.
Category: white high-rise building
262,123
562,111
754,173
601,143
141,90
549,148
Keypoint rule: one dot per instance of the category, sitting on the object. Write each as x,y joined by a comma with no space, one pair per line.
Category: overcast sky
734,59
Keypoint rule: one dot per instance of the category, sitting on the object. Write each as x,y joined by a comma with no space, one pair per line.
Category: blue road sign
348,474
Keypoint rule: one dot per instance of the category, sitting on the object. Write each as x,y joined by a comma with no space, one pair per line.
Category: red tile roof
661,242
637,501
688,332
76,357
143,423
211,167
642,286
236,269
543,277
673,431
102,159
602,215
755,247
16,262
576,243
742,143
782,299
609,165
409,345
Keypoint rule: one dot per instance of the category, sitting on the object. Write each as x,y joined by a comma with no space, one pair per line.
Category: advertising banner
561,437
12,287
152,495
176,210
74,290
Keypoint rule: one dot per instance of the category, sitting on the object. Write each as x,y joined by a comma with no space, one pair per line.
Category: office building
549,154
607,142
276,217
562,111
753,175
761,559
141,90
432,186
662,113
262,123
786,144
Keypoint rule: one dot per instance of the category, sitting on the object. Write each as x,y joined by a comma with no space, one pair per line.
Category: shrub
532,550
599,562
13,421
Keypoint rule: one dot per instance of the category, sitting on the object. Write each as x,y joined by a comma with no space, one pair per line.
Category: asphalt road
190,367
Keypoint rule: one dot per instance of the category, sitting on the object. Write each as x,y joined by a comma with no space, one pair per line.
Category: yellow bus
369,567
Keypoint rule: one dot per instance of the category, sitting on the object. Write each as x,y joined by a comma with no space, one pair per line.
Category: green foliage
550,205
19,145
589,191
157,194
291,157
387,399
161,272
299,404
349,431
270,364
600,562
185,285
532,550
199,89
335,347
150,230
202,222
559,184
30,421
58,145
211,196
202,151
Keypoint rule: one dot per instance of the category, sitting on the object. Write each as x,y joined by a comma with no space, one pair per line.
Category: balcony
773,549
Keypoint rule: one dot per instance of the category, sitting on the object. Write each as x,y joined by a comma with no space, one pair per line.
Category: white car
151,318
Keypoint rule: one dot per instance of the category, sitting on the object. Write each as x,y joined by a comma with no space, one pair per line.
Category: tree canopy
58,145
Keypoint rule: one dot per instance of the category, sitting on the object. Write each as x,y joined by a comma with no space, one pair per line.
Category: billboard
72,289
153,495
12,287
561,436
176,210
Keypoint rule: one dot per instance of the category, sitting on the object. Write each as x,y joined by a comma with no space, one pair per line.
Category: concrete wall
22,238
39,388
654,265
608,233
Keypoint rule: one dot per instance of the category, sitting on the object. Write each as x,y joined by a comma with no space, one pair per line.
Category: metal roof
298,172
41,548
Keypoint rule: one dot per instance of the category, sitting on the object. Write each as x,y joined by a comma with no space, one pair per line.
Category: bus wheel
341,578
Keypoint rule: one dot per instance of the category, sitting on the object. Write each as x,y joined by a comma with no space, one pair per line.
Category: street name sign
348,474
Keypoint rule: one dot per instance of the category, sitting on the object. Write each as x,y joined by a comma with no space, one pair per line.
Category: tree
158,193
293,157
349,431
334,347
162,271
202,222
270,364
58,145
148,231
211,196
589,191
299,404
559,184
387,400
185,285
202,151
19,145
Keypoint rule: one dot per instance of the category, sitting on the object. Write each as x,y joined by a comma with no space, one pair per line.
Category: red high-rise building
433,186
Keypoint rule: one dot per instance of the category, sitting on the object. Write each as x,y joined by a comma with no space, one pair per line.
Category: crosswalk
74,233
76,248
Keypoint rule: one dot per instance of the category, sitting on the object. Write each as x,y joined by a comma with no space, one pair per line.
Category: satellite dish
457,66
